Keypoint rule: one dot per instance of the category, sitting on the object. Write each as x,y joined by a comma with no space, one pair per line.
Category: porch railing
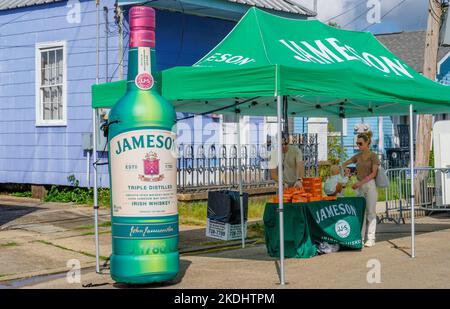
207,167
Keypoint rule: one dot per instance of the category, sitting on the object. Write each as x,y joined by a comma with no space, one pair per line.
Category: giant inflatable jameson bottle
143,168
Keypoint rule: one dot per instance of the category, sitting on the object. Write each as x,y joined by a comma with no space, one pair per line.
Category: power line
14,20
357,17
345,12
434,15
393,8
121,59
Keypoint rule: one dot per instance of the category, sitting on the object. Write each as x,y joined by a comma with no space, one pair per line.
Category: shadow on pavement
11,212
385,232
404,230
391,231
184,265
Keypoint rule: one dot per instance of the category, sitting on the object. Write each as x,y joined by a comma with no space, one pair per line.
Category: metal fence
209,167
432,191
309,145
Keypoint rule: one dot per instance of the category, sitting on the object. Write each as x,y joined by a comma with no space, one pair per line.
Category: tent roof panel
312,63
307,58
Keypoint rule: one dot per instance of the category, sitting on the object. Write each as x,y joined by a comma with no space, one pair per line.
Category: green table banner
298,243
335,222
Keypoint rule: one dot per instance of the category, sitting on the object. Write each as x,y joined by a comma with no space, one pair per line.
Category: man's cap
285,138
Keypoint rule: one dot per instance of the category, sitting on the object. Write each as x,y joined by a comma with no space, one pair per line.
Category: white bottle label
143,173
144,62
144,79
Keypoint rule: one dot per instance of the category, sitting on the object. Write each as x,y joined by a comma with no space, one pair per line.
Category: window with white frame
51,103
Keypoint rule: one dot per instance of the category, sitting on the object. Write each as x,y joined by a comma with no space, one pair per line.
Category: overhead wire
345,12
357,17
387,13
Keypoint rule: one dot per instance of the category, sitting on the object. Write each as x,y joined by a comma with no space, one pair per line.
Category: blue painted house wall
30,154
48,155
443,75
349,137
256,131
301,126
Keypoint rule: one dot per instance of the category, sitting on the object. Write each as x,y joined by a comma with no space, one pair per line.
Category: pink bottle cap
142,26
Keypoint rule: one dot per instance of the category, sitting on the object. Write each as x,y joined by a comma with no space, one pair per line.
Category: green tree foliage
334,24
335,149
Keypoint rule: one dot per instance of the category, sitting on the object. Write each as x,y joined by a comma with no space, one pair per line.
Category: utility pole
425,122
120,43
105,14
118,18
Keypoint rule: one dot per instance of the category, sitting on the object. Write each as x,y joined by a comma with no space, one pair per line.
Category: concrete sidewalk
40,238
252,268
47,235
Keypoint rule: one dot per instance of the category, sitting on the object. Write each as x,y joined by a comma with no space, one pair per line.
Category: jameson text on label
143,173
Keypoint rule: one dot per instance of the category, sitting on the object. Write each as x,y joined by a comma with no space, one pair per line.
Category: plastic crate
224,231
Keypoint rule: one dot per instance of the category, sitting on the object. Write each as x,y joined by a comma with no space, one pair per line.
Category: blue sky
400,15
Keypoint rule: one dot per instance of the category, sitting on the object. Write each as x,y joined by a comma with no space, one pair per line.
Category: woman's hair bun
367,136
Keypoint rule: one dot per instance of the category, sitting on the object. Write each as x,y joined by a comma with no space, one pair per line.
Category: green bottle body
142,169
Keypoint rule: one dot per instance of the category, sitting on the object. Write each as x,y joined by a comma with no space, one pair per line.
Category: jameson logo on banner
337,222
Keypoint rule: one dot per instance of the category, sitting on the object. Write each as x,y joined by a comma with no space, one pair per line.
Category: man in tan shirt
293,165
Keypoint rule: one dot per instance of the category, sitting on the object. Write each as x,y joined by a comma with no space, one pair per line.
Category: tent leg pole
88,169
342,143
411,157
94,158
241,194
280,189
94,140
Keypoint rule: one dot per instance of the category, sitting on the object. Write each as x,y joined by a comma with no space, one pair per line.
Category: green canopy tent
324,71
320,71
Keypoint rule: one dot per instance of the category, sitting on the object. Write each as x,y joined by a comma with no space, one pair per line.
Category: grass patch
93,233
78,195
397,190
104,258
349,192
83,227
256,209
22,194
9,244
90,226
105,224
255,230
214,242
194,213
87,234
